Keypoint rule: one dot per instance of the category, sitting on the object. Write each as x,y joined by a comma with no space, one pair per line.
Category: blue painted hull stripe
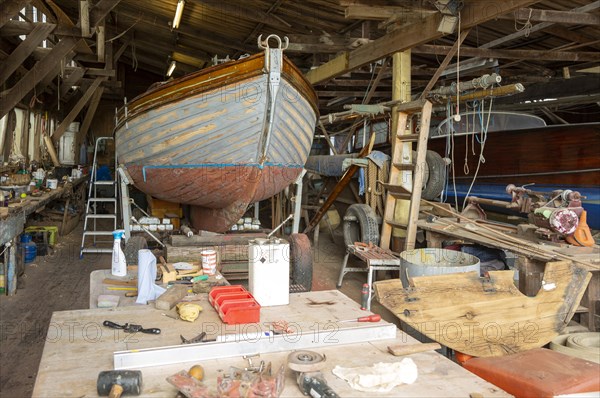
221,165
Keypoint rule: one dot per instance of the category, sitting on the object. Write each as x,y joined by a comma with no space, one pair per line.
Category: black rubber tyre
360,225
301,264
133,245
435,179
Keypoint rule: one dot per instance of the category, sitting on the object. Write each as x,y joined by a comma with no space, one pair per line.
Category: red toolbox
234,304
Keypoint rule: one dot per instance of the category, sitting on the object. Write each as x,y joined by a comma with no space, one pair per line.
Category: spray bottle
119,265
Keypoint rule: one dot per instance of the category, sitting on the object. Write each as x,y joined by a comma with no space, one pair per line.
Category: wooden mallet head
115,383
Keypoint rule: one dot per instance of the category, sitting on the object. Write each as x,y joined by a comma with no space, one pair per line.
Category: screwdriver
370,318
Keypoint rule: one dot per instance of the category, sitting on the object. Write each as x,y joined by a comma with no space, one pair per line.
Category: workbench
529,264
13,224
78,347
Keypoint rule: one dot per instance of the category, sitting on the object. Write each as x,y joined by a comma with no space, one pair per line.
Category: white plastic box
269,271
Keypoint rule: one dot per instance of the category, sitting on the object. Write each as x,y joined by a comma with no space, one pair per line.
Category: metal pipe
279,226
298,203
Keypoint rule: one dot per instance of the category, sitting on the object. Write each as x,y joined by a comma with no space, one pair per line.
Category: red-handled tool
370,318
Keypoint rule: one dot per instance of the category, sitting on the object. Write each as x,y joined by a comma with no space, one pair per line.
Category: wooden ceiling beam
569,35
541,26
538,55
36,74
161,24
101,10
473,13
560,17
17,28
10,8
371,12
242,12
23,50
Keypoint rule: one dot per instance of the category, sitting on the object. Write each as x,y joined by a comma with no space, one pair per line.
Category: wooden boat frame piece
487,317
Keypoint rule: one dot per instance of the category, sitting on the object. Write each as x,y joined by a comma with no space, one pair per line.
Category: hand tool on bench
115,383
407,349
369,318
310,379
131,328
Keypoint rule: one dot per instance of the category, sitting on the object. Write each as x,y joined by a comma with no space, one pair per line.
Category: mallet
114,383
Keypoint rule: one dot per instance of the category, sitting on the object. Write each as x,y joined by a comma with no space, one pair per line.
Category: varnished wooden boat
552,157
221,138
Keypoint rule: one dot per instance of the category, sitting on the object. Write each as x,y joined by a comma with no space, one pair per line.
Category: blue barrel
29,248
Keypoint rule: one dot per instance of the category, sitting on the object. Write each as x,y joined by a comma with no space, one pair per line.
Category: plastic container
119,265
234,304
269,271
208,259
428,262
29,248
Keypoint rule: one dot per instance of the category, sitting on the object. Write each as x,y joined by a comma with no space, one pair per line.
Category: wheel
301,261
133,245
360,225
435,179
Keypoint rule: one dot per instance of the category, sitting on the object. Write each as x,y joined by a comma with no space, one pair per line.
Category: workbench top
78,347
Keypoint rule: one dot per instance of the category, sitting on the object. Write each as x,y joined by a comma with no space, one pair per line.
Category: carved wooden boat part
487,317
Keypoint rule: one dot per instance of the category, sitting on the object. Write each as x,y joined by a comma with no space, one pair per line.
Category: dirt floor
60,281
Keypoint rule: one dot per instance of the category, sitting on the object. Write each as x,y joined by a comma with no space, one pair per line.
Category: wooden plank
487,317
17,28
445,63
473,13
41,69
20,54
560,17
101,42
10,8
172,296
60,130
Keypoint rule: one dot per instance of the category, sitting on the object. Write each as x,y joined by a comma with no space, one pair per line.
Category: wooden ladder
399,186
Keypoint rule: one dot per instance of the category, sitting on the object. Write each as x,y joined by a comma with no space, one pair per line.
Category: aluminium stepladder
92,215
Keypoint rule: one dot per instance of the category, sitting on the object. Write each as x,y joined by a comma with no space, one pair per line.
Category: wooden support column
401,89
16,58
84,17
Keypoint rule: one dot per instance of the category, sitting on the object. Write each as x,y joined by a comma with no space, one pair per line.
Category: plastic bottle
29,248
119,266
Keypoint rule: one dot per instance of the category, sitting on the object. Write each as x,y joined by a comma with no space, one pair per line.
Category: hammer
116,382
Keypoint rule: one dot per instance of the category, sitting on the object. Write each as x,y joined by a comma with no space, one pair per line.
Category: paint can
52,183
208,259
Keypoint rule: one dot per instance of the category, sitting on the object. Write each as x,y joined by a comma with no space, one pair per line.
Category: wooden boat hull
205,141
554,157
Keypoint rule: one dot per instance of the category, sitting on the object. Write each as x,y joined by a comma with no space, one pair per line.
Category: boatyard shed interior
226,198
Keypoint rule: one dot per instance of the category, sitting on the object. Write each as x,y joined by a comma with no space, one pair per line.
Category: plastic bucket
208,259
429,262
